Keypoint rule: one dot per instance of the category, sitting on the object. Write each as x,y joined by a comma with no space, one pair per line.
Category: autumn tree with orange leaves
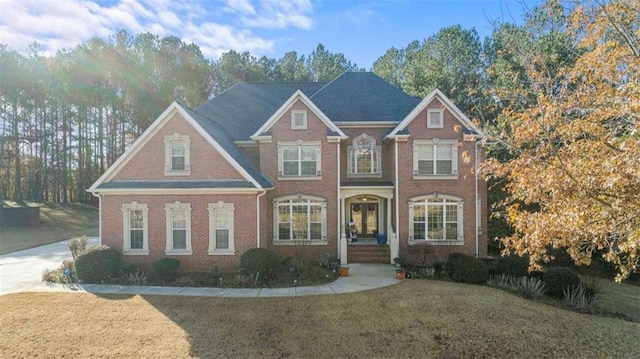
570,122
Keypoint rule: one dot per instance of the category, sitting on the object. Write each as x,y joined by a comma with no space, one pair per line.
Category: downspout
338,223
397,185
100,217
258,217
476,204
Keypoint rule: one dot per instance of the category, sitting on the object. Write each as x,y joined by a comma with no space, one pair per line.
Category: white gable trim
436,94
298,95
151,131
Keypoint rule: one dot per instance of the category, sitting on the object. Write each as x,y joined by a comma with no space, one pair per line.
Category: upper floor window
177,155
178,228
435,118
299,160
299,120
436,218
221,228
435,158
300,218
364,157
135,222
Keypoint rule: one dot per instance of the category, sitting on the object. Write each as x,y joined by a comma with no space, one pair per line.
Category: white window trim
214,208
169,207
291,242
438,111
126,245
298,143
439,242
168,142
304,120
436,142
351,152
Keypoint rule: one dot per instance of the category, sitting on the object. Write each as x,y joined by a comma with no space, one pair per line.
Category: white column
343,237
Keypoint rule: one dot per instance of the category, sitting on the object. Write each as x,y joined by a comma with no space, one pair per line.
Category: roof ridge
328,83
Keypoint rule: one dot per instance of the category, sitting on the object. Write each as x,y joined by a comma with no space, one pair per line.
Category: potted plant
401,273
396,260
343,271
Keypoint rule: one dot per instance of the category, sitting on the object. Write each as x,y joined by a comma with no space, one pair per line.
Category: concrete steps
367,253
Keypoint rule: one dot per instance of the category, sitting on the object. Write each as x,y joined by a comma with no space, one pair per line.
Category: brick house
293,167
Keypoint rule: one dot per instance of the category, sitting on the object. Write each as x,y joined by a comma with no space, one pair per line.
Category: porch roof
366,184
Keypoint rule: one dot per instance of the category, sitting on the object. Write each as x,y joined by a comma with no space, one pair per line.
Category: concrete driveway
22,271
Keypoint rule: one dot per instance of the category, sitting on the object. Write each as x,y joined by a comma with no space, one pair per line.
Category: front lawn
57,223
420,319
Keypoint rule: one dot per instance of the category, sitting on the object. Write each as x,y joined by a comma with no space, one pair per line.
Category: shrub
591,284
54,276
513,265
579,299
185,281
559,278
166,268
261,263
97,264
77,245
466,269
527,287
136,278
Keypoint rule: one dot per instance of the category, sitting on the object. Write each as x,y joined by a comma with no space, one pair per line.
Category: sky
362,30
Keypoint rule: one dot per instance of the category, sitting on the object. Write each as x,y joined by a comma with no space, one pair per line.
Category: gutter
338,224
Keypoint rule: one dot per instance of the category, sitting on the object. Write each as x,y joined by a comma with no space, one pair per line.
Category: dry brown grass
57,223
420,319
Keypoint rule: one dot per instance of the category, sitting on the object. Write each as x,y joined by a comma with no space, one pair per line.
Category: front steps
367,253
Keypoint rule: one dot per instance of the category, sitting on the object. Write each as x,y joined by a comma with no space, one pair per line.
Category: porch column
343,237
393,249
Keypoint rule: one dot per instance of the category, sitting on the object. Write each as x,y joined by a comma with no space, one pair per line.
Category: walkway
22,271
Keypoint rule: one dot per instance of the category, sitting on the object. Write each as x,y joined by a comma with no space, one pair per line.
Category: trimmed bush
166,268
466,269
513,265
558,279
260,262
97,264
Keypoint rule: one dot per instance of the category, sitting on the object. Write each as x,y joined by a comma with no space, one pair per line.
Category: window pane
435,119
425,152
308,168
316,213
435,221
283,214
179,219
364,163
222,239
452,231
290,168
418,213
316,231
452,213
300,222
308,153
443,152
418,230
425,167
136,219
284,231
177,150
179,239
223,219
177,163
290,153
374,164
443,167
136,237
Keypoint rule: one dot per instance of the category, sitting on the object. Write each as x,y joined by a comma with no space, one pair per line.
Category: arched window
364,157
299,218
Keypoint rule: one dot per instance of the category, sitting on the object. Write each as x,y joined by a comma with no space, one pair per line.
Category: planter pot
382,239
400,274
344,271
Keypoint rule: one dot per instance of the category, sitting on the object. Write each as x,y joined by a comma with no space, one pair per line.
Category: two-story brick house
291,167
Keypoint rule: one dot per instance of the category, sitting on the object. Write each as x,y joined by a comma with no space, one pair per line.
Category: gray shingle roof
363,96
174,184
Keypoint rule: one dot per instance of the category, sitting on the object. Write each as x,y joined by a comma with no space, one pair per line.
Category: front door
365,217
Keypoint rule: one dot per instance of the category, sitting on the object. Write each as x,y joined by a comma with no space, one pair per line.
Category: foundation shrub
557,279
513,265
166,268
260,263
97,264
466,269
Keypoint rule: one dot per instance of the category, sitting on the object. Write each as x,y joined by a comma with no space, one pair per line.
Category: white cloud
63,24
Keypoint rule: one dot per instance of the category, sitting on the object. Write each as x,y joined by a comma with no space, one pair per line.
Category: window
177,155
299,159
300,219
299,120
221,228
135,228
435,158
178,228
435,118
364,158
436,218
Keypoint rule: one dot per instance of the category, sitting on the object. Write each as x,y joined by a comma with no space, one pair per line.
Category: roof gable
220,144
435,94
298,96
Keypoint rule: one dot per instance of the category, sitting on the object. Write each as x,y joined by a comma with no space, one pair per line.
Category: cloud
57,25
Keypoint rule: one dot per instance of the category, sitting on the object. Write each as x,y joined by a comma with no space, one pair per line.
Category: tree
572,129
325,66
